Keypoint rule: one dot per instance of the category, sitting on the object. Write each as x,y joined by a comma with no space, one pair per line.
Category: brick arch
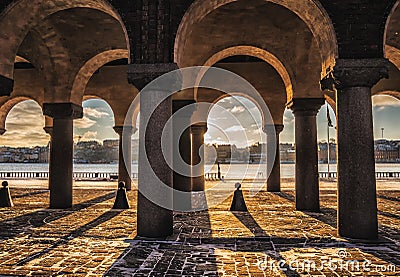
33,13
6,105
392,20
89,68
257,53
310,12
392,93
331,102
55,63
393,55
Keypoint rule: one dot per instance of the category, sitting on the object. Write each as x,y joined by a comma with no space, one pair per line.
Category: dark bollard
238,204
5,197
121,201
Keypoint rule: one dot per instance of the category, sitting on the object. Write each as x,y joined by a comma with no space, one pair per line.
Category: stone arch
392,93
86,72
393,55
311,12
389,40
35,11
254,52
6,106
331,102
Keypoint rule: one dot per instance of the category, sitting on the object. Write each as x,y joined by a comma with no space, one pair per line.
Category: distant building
387,151
288,153
323,152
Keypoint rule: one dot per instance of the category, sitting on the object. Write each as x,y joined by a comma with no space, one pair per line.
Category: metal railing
211,176
379,175
76,175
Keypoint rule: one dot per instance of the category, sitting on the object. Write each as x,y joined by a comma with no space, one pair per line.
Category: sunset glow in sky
25,123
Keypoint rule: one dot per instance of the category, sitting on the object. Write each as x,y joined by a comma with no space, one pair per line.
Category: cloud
237,109
95,112
89,136
235,128
24,125
84,123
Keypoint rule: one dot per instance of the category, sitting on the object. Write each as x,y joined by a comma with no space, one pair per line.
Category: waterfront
232,171
92,240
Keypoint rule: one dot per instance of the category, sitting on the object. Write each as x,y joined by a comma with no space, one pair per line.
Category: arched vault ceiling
87,32
15,27
266,26
310,13
63,43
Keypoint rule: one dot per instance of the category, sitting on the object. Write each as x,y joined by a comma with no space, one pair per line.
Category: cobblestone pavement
272,239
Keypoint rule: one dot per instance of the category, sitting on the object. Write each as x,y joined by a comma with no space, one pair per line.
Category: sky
235,120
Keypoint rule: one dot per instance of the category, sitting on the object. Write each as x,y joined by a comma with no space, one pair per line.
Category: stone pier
274,178
357,204
61,152
125,154
307,178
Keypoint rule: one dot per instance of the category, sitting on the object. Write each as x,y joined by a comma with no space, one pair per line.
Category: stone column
49,131
357,205
61,152
125,154
198,181
274,178
307,177
153,219
182,155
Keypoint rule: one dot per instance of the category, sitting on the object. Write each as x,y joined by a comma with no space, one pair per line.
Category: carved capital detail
140,75
125,130
199,129
349,73
63,110
306,106
277,128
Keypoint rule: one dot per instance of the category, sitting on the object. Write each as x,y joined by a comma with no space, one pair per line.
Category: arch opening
311,13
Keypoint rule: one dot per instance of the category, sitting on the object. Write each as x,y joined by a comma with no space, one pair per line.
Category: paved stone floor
272,239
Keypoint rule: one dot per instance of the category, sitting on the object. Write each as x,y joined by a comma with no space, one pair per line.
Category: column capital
140,75
6,86
63,110
199,129
277,128
356,73
128,130
306,106
48,130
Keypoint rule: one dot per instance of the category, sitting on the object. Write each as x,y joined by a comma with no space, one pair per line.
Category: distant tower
382,129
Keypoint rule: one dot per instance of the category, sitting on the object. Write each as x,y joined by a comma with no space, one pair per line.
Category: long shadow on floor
72,235
17,225
30,194
386,197
193,244
387,239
